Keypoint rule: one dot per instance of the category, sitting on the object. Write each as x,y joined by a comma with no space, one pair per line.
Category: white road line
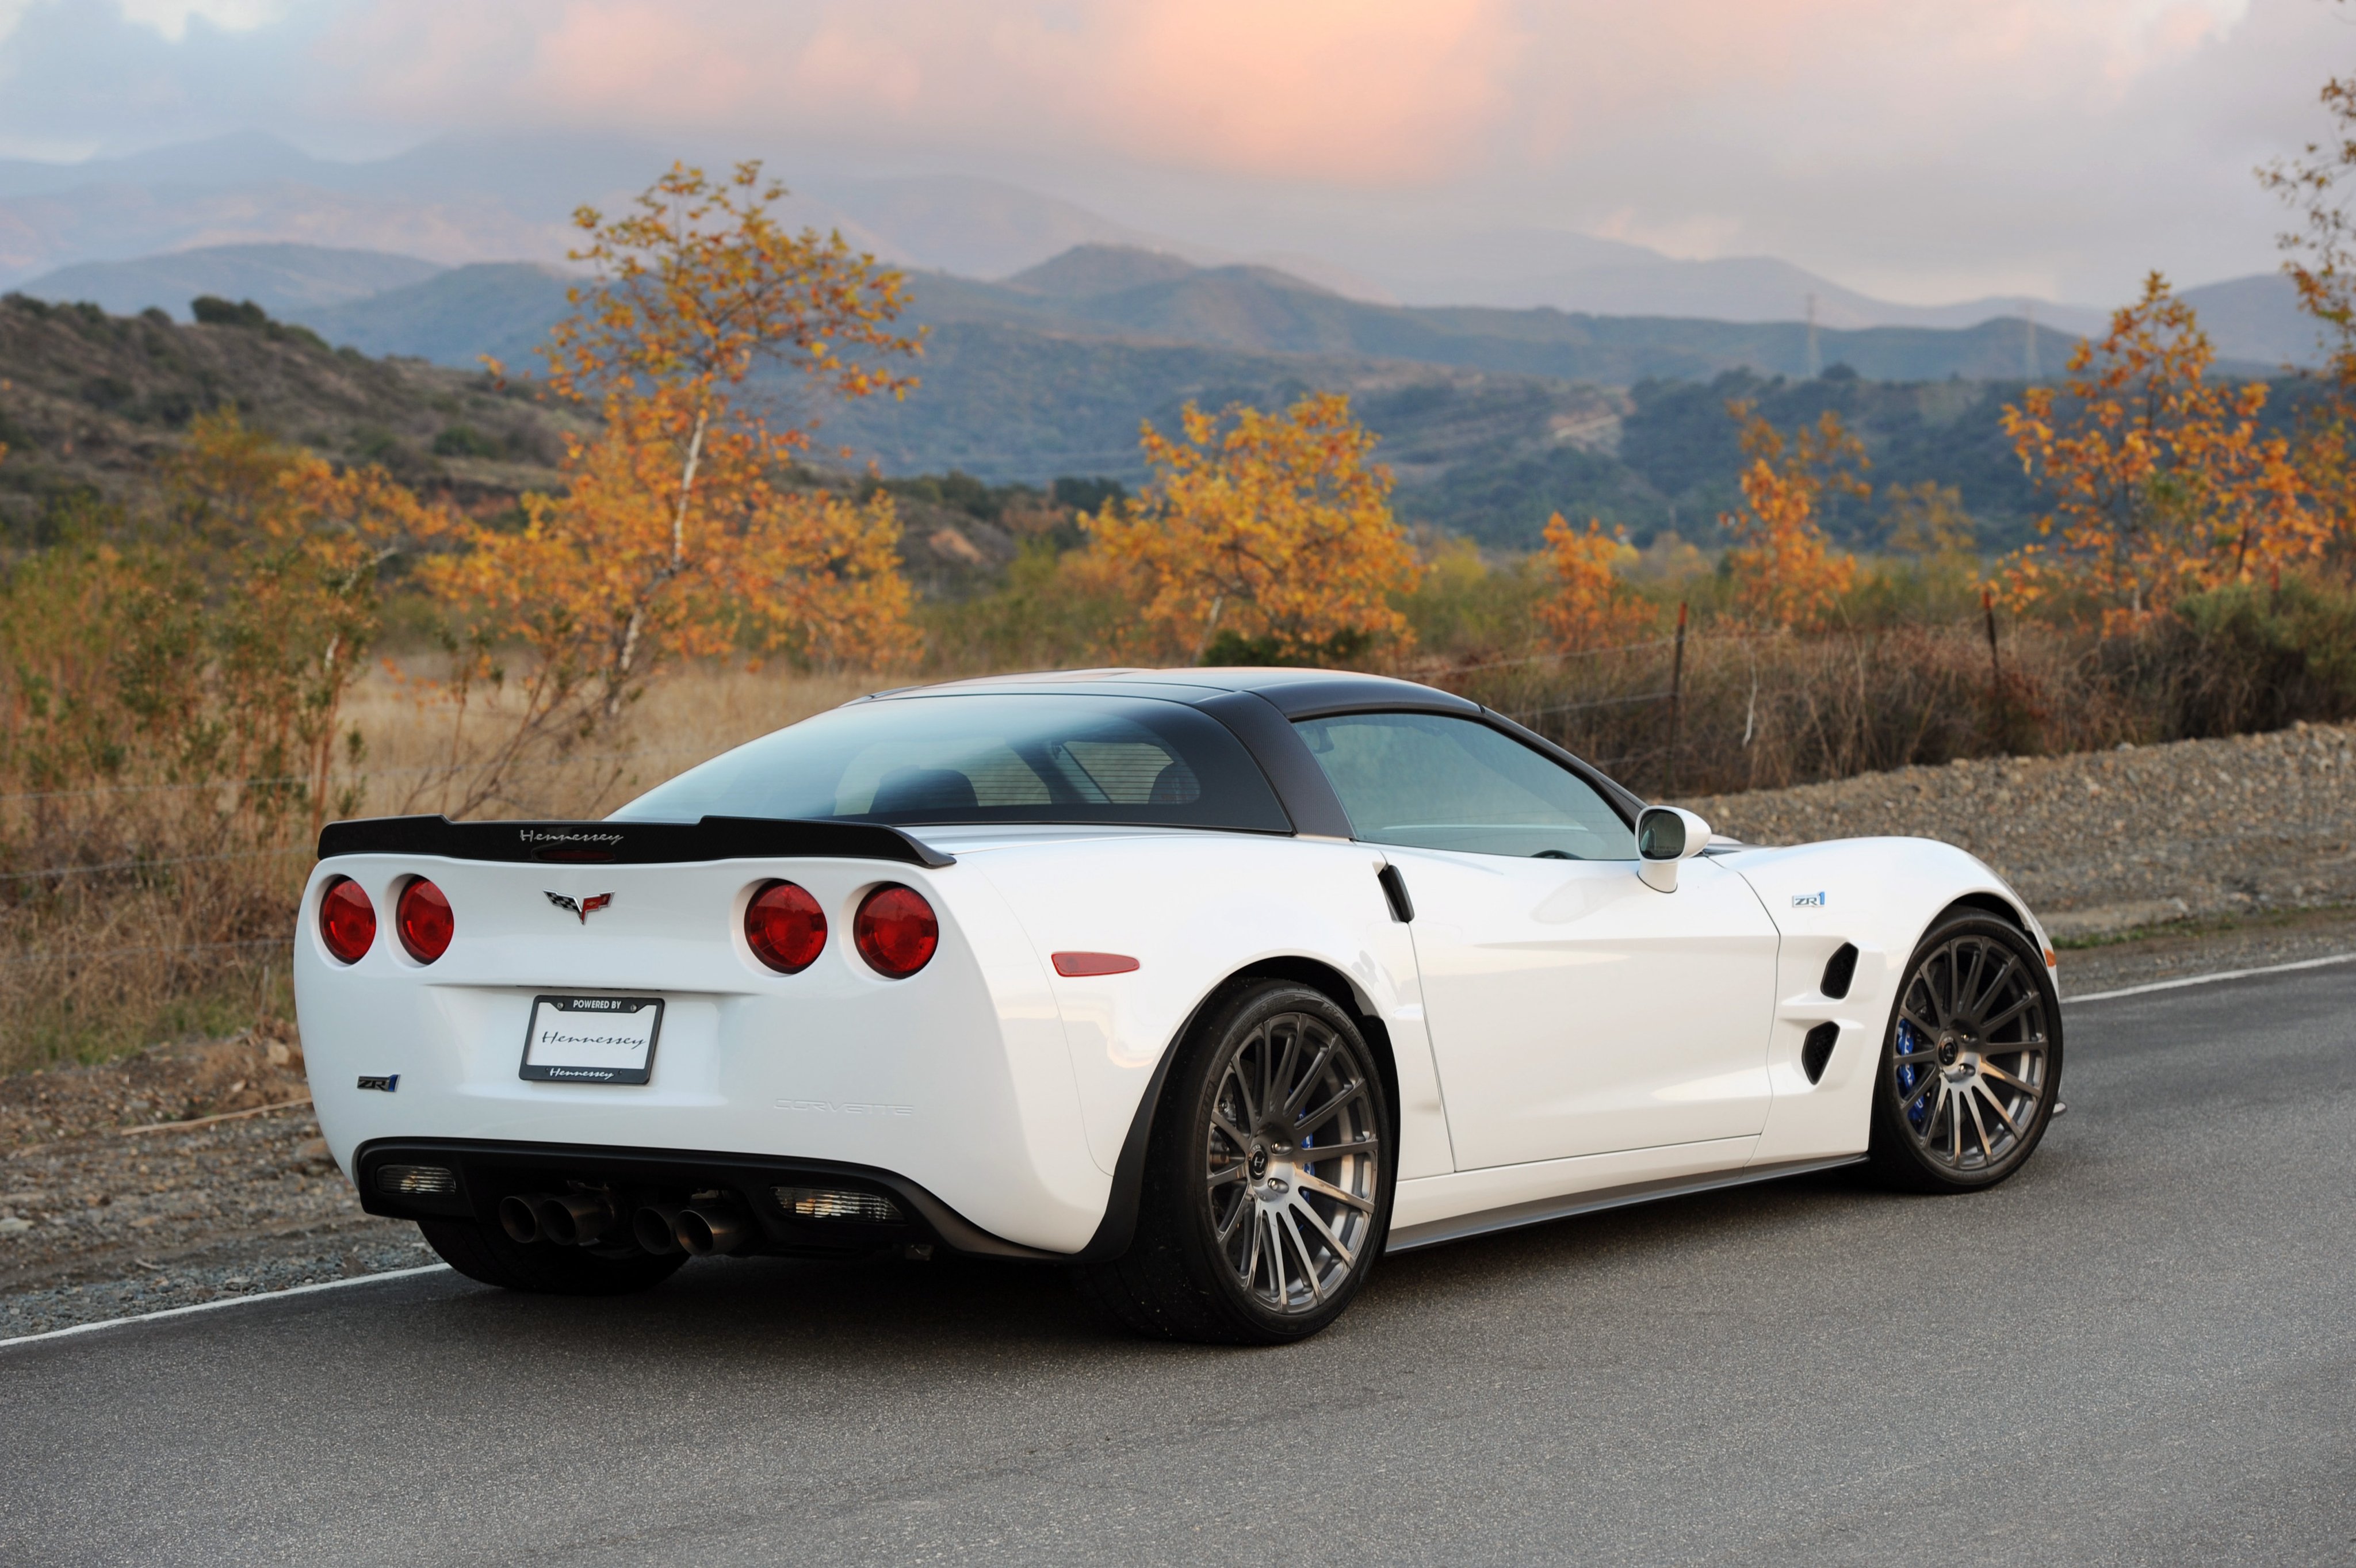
225,1301
433,1268
2210,979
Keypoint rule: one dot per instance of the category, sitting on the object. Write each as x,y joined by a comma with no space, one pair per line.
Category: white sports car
1214,984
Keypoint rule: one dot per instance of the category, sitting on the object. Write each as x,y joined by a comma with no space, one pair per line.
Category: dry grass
140,913
422,754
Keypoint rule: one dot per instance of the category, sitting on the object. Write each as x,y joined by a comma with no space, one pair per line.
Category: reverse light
347,920
895,932
423,919
785,928
837,1203
426,1181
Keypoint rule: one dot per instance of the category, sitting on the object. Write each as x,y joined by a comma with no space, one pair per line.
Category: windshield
1050,757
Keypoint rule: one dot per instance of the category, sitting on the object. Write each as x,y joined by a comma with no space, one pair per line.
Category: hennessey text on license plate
591,1040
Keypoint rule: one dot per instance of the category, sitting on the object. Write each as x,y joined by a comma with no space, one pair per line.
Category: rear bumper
489,1170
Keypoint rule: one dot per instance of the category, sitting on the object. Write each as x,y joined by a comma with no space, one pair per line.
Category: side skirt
1456,1227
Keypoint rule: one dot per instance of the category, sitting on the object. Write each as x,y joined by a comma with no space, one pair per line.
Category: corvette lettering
843,1108
583,907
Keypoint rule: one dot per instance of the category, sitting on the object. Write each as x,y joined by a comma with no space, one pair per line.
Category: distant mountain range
1510,374
402,304
506,198
1492,417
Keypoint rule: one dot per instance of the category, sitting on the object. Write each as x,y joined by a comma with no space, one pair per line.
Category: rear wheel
486,1253
1971,1061
1268,1182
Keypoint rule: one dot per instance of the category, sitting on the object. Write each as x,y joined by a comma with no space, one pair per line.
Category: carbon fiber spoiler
626,844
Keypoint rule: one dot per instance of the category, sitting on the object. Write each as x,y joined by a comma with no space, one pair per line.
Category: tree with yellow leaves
681,533
1592,605
1785,571
292,548
2320,258
1263,536
2160,482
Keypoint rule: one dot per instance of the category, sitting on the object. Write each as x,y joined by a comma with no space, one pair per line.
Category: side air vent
1817,1049
1840,969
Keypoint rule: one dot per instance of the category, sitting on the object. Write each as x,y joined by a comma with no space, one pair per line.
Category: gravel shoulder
105,1213
2148,864
2100,843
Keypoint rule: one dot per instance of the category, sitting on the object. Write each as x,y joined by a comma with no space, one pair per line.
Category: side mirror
1665,835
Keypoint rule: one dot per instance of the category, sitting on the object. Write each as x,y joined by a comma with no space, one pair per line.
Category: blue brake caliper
1911,1073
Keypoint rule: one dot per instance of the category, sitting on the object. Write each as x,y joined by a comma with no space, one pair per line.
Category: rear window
1053,757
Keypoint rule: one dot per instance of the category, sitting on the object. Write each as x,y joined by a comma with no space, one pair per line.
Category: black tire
487,1253
1216,1190
1971,1062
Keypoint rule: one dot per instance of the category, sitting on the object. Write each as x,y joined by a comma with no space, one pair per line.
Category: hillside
93,405
91,398
1482,453
502,309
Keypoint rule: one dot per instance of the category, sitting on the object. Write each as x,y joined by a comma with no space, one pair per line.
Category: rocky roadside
2101,843
108,1208
2150,864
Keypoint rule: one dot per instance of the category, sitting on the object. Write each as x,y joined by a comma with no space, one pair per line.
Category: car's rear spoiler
628,843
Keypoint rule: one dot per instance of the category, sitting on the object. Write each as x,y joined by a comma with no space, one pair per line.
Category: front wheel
1268,1182
1971,1061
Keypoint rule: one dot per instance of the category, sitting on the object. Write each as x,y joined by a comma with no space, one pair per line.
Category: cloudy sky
1920,150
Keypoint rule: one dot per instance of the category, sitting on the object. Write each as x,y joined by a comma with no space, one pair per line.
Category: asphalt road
2142,1350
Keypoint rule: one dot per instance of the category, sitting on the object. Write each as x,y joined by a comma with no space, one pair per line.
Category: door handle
1394,890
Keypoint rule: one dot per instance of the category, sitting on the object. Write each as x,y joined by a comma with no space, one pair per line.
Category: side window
1437,782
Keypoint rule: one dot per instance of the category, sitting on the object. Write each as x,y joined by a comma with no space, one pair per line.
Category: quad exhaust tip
656,1227
713,1226
563,1219
703,1230
576,1219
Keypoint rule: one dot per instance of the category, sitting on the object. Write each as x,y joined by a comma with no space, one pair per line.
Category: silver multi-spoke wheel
1266,1188
1971,1058
1292,1163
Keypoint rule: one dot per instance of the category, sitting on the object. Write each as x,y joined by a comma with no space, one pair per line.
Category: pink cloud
1352,92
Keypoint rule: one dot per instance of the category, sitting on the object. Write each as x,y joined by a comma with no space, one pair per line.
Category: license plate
591,1040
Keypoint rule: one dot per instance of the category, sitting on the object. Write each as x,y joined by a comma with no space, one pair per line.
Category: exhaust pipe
519,1217
656,1226
716,1226
576,1219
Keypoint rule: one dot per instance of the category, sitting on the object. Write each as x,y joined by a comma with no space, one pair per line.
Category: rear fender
1195,912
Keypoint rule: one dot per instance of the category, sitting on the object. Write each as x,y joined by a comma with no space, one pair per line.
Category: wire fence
286,780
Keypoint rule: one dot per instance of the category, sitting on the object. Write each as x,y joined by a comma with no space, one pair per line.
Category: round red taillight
785,928
423,919
347,920
896,930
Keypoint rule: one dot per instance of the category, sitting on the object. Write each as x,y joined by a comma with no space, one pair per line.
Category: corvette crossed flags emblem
585,907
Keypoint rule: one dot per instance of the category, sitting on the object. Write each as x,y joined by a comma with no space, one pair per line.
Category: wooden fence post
1676,692
1996,666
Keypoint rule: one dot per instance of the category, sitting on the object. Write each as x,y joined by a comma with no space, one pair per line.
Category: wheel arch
1986,904
1118,1226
